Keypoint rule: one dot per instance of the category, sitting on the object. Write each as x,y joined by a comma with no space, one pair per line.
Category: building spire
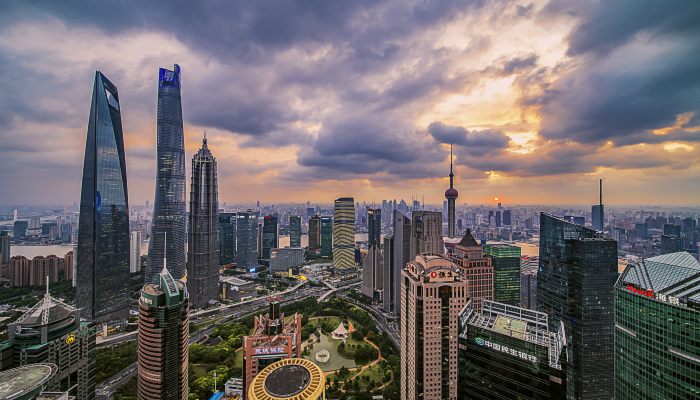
601,192
204,141
452,175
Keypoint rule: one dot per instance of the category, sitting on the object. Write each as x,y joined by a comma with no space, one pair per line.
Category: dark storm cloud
638,71
474,142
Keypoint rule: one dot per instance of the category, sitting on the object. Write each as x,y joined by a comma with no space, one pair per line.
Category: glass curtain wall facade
326,236
506,272
577,273
344,233
269,236
374,227
102,291
203,235
657,329
295,231
227,238
401,253
169,203
246,239
314,232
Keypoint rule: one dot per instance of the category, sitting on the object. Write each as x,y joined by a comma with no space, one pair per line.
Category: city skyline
543,105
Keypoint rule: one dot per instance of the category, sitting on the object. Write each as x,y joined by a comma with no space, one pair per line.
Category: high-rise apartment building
135,252
52,332
373,273
295,231
326,236
426,233
508,352
433,291
344,235
203,233
314,232
477,269
451,195
274,338
505,259
374,227
657,323
163,339
400,255
246,239
227,238
103,239
270,236
169,202
598,212
577,272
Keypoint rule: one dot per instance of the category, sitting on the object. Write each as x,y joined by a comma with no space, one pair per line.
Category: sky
315,100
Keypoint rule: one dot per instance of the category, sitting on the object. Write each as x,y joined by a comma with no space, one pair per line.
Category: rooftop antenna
452,175
205,137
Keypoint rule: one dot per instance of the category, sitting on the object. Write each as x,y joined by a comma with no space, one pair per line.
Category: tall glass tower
203,234
246,239
344,233
103,240
169,204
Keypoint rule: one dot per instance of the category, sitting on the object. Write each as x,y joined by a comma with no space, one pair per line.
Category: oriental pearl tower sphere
451,195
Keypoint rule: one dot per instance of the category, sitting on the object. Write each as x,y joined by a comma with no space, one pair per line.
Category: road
224,314
383,322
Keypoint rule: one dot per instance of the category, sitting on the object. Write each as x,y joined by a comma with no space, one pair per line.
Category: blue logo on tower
480,341
167,77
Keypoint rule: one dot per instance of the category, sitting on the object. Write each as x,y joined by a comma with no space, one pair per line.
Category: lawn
336,361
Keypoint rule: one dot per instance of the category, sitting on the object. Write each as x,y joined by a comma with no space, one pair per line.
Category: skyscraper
169,204
451,195
103,239
135,252
344,234
51,332
577,272
326,236
373,273
433,291
390,280
227,238
19,230
657,317
246,239
508,352
295,231
598,212
269,236
4,249
203,235
314,232
477,269
506,272
426,233
163,339
400,254
374,227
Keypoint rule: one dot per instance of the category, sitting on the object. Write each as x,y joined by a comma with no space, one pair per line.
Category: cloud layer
313,100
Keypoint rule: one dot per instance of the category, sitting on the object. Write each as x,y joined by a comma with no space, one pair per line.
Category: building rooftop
468,240
25,380
292,378
675,275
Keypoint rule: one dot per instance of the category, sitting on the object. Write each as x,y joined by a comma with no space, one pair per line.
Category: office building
374,227
20,229
506,272
295,231
426,233
373,273
135,252
227,238
236,289
282,260
314,232
451,195
507,218
163,339
246,239
577,270
657,320
433,291
326,236
508,352
344,234
528,282
274,338
103,238
4,249
477,269
400,255
203,231
289,379
51,332
598,212
269,236
671,241
169,202
389,277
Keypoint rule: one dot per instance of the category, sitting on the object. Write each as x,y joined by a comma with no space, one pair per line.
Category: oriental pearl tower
451,195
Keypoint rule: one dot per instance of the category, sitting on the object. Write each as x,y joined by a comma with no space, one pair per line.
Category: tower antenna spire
165,251
452,175
601,191
205,137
